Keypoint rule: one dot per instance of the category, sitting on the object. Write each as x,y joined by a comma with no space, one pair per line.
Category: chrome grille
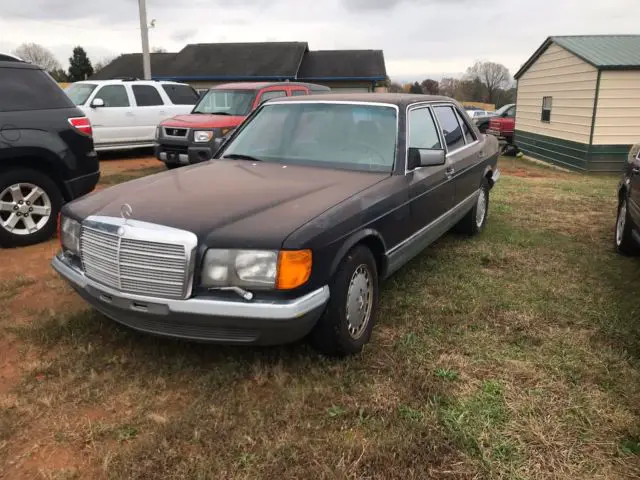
132,265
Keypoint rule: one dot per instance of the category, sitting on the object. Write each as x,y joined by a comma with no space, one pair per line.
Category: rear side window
298,93
146,96
181,94
468,134
450,128
113,96
30,89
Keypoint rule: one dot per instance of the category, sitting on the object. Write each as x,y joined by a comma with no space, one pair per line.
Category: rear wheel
474,222
29,206
347,323
624,240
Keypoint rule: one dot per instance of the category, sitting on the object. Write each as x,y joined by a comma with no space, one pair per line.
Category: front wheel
346,325
624,241
29,206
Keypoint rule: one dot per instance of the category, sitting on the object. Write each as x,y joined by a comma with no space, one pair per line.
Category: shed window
546,109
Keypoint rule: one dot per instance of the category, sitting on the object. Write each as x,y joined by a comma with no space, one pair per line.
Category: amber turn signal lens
294,268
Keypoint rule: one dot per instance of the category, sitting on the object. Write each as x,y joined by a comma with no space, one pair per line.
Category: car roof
134,81
399,99
258,85
9,60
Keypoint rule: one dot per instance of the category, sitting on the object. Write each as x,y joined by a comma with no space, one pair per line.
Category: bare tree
38,55
494,77
395,87
430,87
100,64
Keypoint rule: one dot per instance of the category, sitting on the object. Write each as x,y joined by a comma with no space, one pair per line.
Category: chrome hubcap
359,301
481,208
25,209
622,218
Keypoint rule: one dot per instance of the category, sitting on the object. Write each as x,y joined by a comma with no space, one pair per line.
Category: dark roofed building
206,64
130,65
340,68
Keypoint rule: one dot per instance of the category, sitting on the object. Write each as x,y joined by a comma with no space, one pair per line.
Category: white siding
571,82
618,114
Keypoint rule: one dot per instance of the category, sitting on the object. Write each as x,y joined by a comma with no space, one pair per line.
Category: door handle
129,114
162,112
449,172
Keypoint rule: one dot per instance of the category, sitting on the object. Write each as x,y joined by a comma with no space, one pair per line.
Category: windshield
349,136
79,92
503,109
230,102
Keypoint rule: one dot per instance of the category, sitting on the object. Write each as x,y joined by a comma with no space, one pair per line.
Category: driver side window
113,96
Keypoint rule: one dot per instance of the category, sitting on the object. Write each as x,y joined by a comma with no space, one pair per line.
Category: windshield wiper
240,156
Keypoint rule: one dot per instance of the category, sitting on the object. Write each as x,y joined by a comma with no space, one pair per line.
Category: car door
634,190
114,122
150,111
431,190
464,151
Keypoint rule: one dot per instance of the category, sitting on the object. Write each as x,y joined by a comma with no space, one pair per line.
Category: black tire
41,180
623,236
171,166
331,335
469,225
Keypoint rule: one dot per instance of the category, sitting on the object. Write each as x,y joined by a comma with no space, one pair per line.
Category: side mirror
97,102
425,158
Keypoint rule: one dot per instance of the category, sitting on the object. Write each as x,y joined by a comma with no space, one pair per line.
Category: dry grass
514,355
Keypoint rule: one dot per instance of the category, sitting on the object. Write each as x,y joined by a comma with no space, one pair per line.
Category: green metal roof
604,52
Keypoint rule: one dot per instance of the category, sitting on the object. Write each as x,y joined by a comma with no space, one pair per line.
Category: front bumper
202,319
184,156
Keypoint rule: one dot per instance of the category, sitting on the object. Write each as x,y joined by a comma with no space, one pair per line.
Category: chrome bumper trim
272,310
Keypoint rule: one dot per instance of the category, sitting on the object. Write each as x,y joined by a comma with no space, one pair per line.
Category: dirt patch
110,167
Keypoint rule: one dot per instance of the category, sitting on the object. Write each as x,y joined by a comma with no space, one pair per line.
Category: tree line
485,82
80,66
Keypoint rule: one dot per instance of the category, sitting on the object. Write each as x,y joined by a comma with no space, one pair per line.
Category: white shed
578,101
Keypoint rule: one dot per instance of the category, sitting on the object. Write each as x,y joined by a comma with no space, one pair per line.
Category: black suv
46,153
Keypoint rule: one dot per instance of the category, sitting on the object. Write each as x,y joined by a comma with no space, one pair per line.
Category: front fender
352,241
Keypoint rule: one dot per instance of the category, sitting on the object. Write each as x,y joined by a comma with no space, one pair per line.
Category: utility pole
144,33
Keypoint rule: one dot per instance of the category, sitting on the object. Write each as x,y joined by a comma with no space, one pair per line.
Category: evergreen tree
79,65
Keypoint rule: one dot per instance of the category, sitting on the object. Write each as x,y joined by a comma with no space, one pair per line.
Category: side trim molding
412,246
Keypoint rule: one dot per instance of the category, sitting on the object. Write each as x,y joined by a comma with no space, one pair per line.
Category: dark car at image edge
46,153
287,232
627,231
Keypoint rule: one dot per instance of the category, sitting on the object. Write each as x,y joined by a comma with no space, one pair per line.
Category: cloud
419,37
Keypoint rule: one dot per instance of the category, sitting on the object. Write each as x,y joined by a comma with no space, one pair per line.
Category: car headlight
70,235
265,269
202,136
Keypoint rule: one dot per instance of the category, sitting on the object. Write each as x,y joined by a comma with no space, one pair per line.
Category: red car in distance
188,139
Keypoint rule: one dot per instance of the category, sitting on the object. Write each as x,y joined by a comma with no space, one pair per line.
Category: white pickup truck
124,114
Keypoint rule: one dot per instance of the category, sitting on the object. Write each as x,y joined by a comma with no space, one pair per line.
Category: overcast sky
420,38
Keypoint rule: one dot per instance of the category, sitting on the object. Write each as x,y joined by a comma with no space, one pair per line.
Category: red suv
187,139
